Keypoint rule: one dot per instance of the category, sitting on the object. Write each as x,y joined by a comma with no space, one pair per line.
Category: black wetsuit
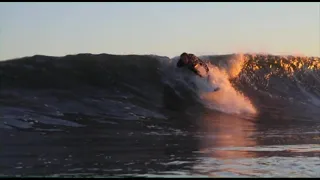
191,61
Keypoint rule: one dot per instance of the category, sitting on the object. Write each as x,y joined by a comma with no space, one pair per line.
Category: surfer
193,63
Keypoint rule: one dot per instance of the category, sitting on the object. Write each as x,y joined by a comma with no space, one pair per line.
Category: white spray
227,98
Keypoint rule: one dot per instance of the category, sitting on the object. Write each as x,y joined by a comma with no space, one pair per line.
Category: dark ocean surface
133,115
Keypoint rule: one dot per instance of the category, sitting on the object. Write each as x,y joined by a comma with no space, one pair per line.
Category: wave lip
243,79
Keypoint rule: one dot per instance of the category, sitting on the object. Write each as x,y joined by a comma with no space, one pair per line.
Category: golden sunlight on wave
281,65
227,98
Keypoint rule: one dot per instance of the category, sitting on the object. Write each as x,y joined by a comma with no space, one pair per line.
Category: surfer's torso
193,63
196,65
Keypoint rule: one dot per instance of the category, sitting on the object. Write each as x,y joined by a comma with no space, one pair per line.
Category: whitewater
107,115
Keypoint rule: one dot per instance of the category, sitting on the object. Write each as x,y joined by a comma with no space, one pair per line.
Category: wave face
139,114
151,80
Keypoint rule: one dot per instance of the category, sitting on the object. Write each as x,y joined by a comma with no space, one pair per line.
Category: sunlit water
210,144
105,115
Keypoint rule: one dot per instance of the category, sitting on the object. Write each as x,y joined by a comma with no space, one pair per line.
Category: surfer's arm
197,61
193,69
203,64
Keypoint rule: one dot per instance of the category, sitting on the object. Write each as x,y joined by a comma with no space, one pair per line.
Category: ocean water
131,115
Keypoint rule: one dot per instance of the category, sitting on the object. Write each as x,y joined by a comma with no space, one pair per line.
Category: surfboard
211,89
206,84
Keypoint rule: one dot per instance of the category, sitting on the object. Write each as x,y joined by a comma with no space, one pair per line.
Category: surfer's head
184,54
184,58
